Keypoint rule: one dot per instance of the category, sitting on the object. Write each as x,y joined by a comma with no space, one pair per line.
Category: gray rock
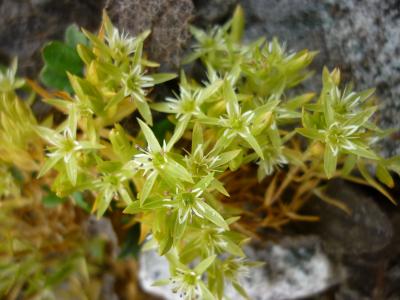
212,12
366,229
366,241
167,19
26,25
295,268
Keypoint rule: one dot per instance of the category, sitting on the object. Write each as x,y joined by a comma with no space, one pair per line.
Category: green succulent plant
246,114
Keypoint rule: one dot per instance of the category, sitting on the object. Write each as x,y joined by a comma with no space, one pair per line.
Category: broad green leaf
73,36
54,78
61,57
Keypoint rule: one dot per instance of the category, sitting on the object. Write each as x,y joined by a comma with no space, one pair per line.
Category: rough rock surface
26,25
364,229
167,19
295,268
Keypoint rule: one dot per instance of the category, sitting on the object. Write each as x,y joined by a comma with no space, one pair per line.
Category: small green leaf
147,187
150,137
172,169
162,77
144,110
213,216
161,282
178,132
310,133
103,201
232,247
205,292
384,176
48,165
204,182
85,54
253,143
349,164
72,169
204,264
330,161
226,157
367,176
197,136
240,290
237,24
